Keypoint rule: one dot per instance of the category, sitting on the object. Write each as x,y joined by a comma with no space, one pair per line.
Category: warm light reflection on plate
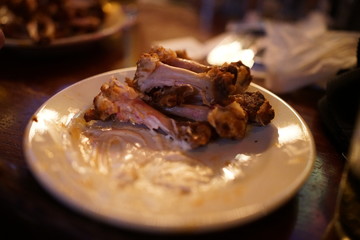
114,172
40,122
290,134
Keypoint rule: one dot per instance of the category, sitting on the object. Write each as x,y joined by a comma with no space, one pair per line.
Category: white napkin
303,53
193,47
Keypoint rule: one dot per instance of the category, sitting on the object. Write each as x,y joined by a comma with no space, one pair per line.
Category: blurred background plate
116,19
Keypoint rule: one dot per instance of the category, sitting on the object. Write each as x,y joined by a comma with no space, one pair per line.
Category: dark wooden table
28,79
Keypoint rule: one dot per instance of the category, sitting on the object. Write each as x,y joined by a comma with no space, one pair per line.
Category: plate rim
231,220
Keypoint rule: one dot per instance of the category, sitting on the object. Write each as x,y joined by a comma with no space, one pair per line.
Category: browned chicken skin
120,102
191,102
257,107
161,68
229,121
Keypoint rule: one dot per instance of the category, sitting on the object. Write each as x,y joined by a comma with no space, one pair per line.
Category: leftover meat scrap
188,101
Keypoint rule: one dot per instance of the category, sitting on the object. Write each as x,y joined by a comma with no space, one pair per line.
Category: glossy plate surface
132,177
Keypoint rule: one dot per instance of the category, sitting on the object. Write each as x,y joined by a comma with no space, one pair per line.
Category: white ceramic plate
131,177
115,21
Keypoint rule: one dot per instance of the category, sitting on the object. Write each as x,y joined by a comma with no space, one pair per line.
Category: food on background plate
191,103
42,21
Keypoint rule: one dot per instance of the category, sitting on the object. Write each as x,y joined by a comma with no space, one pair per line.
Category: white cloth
303,53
